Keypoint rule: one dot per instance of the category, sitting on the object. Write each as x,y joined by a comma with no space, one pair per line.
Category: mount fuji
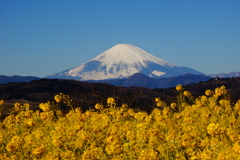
122,61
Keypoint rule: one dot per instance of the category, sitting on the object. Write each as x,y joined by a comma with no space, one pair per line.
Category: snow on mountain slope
225,75
122,61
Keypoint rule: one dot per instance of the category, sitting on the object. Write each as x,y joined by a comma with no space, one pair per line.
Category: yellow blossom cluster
202,128
1,102
63,98
1,107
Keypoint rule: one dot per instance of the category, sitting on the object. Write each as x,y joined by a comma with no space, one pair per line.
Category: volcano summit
122,61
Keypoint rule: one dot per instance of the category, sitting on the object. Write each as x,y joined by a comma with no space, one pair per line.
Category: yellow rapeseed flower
160,104
58,98
15,143
11,147
179,87
38,150
208,129
113,149
147,154
220,91
45,106
30,122
209,92
187,94
212,128
110,100
99,106
157,99
17,106
2,102
45,115
1,138
237,107
173,105
124,105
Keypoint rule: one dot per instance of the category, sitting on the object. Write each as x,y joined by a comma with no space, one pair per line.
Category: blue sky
43,37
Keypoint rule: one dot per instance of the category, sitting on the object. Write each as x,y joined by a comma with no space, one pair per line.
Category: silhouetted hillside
86,95
198,89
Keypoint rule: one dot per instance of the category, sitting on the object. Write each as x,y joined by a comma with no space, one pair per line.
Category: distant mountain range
138,79
122,61
127,65
141,80
6,79
225,75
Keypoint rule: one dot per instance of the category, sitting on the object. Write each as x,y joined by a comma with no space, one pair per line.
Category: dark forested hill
86,95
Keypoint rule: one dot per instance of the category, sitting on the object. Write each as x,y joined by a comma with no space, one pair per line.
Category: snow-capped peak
128,54
122,61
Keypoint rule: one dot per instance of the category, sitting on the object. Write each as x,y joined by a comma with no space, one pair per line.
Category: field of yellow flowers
207,127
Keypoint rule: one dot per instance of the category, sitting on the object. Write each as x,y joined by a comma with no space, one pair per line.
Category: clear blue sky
42,37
